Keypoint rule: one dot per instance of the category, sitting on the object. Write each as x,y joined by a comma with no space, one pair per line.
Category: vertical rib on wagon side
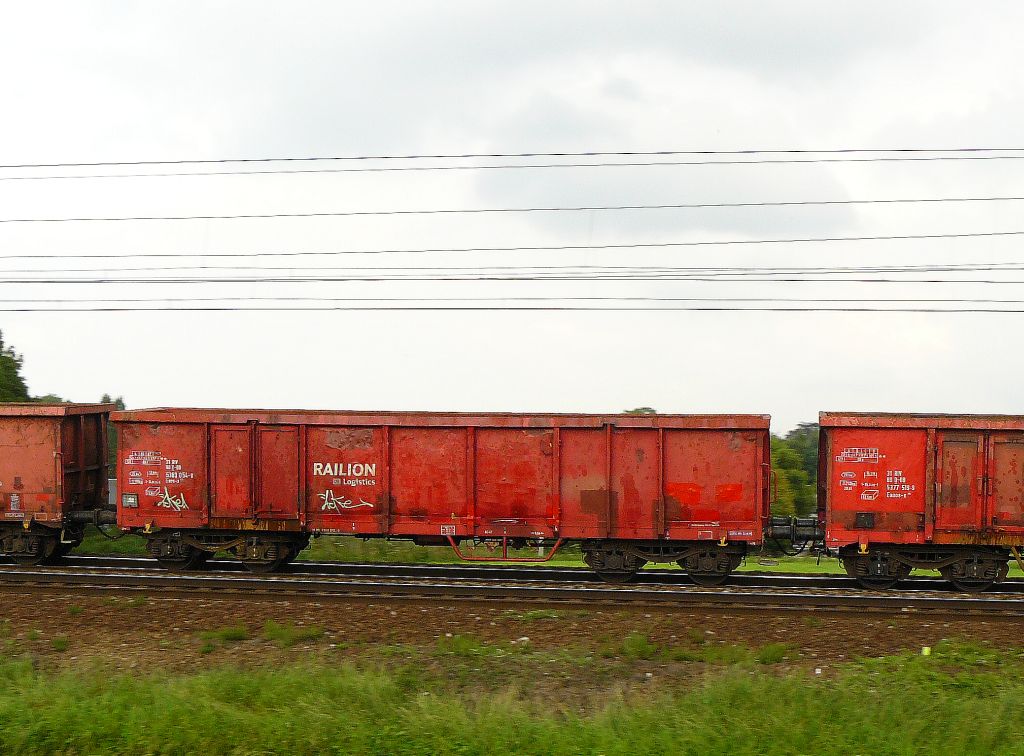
630,489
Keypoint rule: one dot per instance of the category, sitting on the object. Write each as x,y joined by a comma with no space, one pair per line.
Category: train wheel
62,550
974,575
38,549
288,558
708,579
610,576
191,559
877,571
262,567
971,586
876,583
710,566
613,565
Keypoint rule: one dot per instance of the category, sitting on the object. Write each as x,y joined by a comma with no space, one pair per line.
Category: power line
522,309
540,248
496,155
507,166
640,276
580,269
183,300
462,211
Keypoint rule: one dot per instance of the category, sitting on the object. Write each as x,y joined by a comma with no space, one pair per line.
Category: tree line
13,388
12,383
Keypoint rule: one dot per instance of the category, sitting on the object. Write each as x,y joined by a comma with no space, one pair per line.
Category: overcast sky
128,81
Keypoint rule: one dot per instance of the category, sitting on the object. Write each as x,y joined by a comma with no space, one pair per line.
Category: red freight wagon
53,477
631,488
943,492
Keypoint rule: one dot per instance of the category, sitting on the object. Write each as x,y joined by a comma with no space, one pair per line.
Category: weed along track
327,588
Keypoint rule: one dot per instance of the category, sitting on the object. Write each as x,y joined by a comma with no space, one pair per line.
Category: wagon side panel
514,482
430,481
715,484
345,477
586,507
876,485
30,461
163,475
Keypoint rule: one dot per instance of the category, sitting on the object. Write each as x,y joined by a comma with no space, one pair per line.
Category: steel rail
252,588
458,571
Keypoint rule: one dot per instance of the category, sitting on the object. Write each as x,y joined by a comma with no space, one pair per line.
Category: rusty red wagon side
53,477
945,492
629,488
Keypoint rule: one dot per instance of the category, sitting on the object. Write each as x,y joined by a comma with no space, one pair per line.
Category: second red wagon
899,492
629,488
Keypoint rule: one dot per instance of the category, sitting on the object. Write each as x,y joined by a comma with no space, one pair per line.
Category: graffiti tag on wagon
333,503
172,502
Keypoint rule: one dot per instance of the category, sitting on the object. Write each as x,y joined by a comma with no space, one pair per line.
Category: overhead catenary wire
510,166
506,277
529,308
510,155
582,269
485,210
535,248
500,299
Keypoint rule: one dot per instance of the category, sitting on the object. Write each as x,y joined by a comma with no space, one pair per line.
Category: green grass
287,634
96,543
464,645
772,653
960,700
637,646
60,644
538,615
224,636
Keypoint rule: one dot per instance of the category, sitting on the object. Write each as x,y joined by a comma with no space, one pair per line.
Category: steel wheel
61,550
708,579
876,583
196,558
965,584
610,576
44,551
263,567
971,586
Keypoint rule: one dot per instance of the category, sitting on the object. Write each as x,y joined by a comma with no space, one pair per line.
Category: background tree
12,385
641,411
795,462
48,399
112,433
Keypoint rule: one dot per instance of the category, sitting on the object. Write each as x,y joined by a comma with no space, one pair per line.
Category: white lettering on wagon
346,469
350,474
144,457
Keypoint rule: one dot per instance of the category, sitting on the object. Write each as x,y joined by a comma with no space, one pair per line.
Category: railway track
228,584
460,572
